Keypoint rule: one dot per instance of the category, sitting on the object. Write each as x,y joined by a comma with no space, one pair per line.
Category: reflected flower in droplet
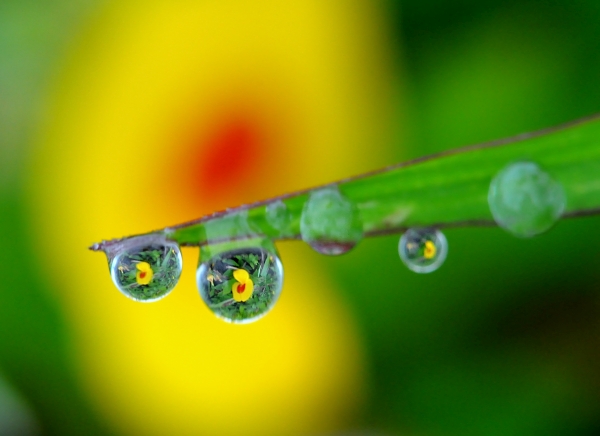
429,251
423,250
144,273
243,289
240,283
145,268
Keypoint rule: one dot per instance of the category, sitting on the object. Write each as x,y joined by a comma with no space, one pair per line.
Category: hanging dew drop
146,268
330,223
240,284
423,250
525,200
279,217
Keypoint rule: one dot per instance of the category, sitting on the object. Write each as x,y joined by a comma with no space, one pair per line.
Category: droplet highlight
240,284
145,269
525,200
423,250
330,223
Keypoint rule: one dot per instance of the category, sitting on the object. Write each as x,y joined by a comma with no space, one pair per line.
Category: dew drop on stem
279,217
240,281
423,250
145,268
330,223
525,200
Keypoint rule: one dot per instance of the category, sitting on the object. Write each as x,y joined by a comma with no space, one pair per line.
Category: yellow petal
241,275
143,266
245,294
147,277
430,250
249,290
236,296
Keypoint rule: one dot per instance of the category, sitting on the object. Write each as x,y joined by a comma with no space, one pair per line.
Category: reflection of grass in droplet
165,266
261,268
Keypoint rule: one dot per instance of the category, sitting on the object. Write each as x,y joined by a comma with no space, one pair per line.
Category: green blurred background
502,340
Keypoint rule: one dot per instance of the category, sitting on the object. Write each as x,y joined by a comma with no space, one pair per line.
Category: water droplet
145,268
330,223
525,200
279,216
240,284
423,250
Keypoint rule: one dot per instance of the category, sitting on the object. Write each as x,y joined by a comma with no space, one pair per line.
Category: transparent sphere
240,284
423,250
279,217
525,200
146,272
330,223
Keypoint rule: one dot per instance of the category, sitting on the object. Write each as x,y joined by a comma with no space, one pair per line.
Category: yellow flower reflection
242,290
144,273
430,250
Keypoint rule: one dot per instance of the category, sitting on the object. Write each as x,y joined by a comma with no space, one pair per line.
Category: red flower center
241,287
142,274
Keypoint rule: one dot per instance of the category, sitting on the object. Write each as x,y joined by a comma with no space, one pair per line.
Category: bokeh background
119,117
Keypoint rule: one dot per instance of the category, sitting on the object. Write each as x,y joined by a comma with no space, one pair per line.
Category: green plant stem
445,190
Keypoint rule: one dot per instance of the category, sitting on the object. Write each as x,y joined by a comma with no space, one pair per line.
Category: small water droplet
525,200
330,223
145,269
423,250
279,216
240,284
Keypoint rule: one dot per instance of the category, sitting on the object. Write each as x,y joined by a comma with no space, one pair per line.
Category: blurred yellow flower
298,93
242,290
430,250
144,274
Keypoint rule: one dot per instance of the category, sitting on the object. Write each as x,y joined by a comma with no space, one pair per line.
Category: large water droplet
423,250
240,284
330,223
525,200
146,268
